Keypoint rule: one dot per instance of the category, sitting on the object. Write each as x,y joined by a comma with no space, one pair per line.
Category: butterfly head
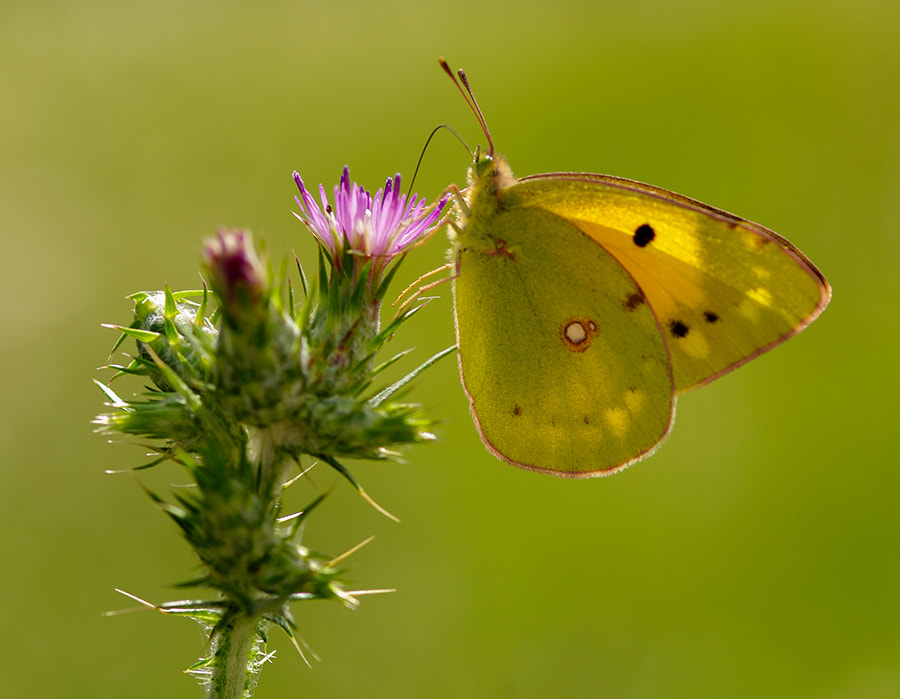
482,165
489,177
490,171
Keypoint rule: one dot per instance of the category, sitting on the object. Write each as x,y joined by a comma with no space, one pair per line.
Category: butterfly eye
483,164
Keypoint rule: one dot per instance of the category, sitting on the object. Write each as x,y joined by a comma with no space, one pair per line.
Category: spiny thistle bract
241,392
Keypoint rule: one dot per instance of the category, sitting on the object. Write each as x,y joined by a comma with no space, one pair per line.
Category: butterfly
585,303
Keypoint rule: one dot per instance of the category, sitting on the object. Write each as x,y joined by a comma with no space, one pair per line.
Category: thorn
349,552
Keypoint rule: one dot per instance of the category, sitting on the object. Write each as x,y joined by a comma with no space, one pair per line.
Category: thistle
241,394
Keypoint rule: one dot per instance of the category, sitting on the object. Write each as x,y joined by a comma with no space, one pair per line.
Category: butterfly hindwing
562,357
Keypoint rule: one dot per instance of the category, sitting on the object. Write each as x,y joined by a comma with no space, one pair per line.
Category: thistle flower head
373,228
236,273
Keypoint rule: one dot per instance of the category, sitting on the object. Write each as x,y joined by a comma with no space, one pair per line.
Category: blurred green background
754,555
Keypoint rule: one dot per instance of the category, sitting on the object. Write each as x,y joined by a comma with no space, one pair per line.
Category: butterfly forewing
724,289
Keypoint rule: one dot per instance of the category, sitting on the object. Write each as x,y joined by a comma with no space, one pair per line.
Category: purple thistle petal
377,228
312,215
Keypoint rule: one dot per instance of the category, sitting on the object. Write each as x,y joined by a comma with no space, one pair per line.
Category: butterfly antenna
425,147
462,84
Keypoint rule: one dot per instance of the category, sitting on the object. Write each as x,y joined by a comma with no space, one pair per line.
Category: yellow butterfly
585,303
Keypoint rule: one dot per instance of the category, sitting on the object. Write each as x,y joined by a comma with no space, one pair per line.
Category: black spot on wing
643,235
678,328
711,316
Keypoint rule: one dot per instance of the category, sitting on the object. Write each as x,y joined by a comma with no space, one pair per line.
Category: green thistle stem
263,450
235,648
